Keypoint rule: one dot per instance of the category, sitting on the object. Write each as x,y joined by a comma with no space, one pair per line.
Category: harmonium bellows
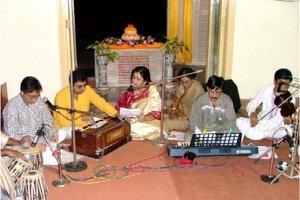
95,142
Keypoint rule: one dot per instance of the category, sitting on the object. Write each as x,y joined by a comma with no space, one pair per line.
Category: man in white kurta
268,122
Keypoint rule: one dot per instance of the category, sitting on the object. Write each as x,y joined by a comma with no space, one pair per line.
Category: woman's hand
141,118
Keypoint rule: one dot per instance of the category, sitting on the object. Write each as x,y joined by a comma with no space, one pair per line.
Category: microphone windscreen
49,104
290,141
44,99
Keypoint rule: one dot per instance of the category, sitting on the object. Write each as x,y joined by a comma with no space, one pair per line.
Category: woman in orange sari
144,97
185,94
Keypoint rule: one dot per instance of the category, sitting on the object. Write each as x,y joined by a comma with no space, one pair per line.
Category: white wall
266,38
29,44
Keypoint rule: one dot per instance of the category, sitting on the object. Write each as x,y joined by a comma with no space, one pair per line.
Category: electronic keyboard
243,150
213,144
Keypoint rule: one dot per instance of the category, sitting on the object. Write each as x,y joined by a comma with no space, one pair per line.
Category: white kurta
271,124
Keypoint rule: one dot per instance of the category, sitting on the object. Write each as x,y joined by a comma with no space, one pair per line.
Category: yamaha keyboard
243,150
213,144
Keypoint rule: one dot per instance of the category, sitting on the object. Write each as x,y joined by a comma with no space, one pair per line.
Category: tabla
33,185
6,181
17,167
34,154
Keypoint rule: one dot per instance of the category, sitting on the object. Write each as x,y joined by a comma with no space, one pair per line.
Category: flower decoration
104,47
144,40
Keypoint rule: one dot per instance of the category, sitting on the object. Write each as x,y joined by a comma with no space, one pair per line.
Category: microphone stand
292,166
74,166
161,140
269,178
61,181
70,110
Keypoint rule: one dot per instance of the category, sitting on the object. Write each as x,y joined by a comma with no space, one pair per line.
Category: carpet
141,170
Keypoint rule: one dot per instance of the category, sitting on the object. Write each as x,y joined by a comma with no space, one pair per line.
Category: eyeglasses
80,85
31,97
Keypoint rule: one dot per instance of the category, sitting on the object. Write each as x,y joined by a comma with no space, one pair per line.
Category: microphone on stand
176,77
290,141
37,136
281,140
49,104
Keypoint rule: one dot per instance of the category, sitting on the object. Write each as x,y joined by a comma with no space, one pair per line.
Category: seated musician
141,95
185,94
263,124
26,113
280,125
84,95
6,181
213,110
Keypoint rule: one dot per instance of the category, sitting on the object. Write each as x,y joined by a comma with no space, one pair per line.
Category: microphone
290,141
49,104
287,138
281,140
37,135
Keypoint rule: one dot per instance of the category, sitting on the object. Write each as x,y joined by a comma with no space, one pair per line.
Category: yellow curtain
187,30
173,29
173,11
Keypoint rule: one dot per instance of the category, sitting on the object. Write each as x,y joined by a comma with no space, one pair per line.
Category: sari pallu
187,98
183,102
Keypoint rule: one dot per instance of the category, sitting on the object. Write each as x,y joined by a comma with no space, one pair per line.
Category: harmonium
95,141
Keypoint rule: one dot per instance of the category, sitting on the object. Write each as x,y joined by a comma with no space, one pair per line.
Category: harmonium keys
95,142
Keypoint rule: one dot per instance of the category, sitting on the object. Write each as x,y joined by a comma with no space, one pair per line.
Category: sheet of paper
125,112
197,130
176,135
66,157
